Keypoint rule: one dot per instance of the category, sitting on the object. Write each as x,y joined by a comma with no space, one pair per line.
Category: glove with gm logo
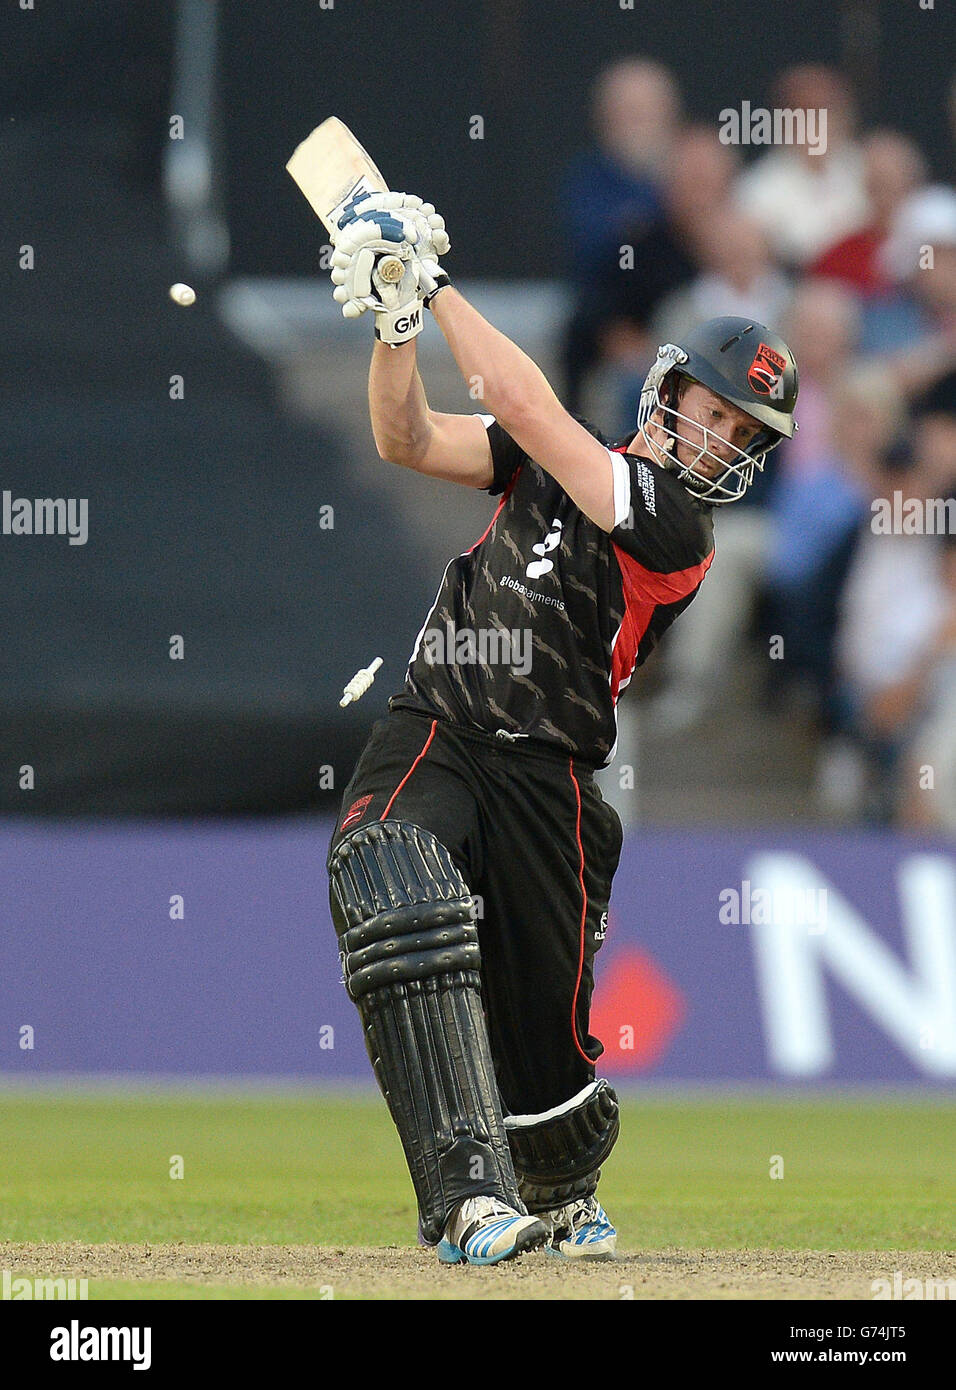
388,227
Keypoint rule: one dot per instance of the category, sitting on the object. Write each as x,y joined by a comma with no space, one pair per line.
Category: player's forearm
496,371
397,405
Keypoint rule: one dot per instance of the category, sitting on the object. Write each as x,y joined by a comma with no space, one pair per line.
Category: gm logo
409,321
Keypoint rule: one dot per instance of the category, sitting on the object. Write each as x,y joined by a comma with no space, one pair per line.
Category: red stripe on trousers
408,774
584,913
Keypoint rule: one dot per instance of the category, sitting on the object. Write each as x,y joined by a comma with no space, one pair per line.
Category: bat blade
332,169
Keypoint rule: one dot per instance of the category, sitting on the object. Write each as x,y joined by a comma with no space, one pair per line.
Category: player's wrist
441,282
401,324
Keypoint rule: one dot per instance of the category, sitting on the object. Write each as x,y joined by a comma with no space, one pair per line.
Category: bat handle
391,269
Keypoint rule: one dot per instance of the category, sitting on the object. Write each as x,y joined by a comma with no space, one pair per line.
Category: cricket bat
333,170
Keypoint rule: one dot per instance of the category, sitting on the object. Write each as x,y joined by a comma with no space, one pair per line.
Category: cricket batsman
480,780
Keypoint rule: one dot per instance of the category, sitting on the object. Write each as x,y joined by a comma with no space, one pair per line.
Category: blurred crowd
840,564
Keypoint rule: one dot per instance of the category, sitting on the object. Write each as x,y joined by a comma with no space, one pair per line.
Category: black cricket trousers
538,846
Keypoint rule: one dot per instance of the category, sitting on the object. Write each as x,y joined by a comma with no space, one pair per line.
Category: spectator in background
818,509
914,325
893,169
737,276
808,534
614,318
636,110
824,328
611,189
893,645
805,201
925,703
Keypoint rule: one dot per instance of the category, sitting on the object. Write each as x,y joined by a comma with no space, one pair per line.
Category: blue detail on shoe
592,1232
480,1244
476,1247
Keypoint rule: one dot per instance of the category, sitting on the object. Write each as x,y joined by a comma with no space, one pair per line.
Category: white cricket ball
182,294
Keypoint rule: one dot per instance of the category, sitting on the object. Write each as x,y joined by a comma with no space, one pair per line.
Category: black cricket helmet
746,364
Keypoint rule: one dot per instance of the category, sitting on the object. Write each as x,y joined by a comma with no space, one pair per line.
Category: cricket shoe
581,1231
484,1230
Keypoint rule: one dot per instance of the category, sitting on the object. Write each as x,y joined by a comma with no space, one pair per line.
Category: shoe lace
480,1208
574,1214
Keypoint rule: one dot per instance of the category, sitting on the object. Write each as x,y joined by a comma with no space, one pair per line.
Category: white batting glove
424,227
430,241
375,272
357,248
380,233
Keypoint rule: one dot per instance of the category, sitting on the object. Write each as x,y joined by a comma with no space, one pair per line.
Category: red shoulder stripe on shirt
644,590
